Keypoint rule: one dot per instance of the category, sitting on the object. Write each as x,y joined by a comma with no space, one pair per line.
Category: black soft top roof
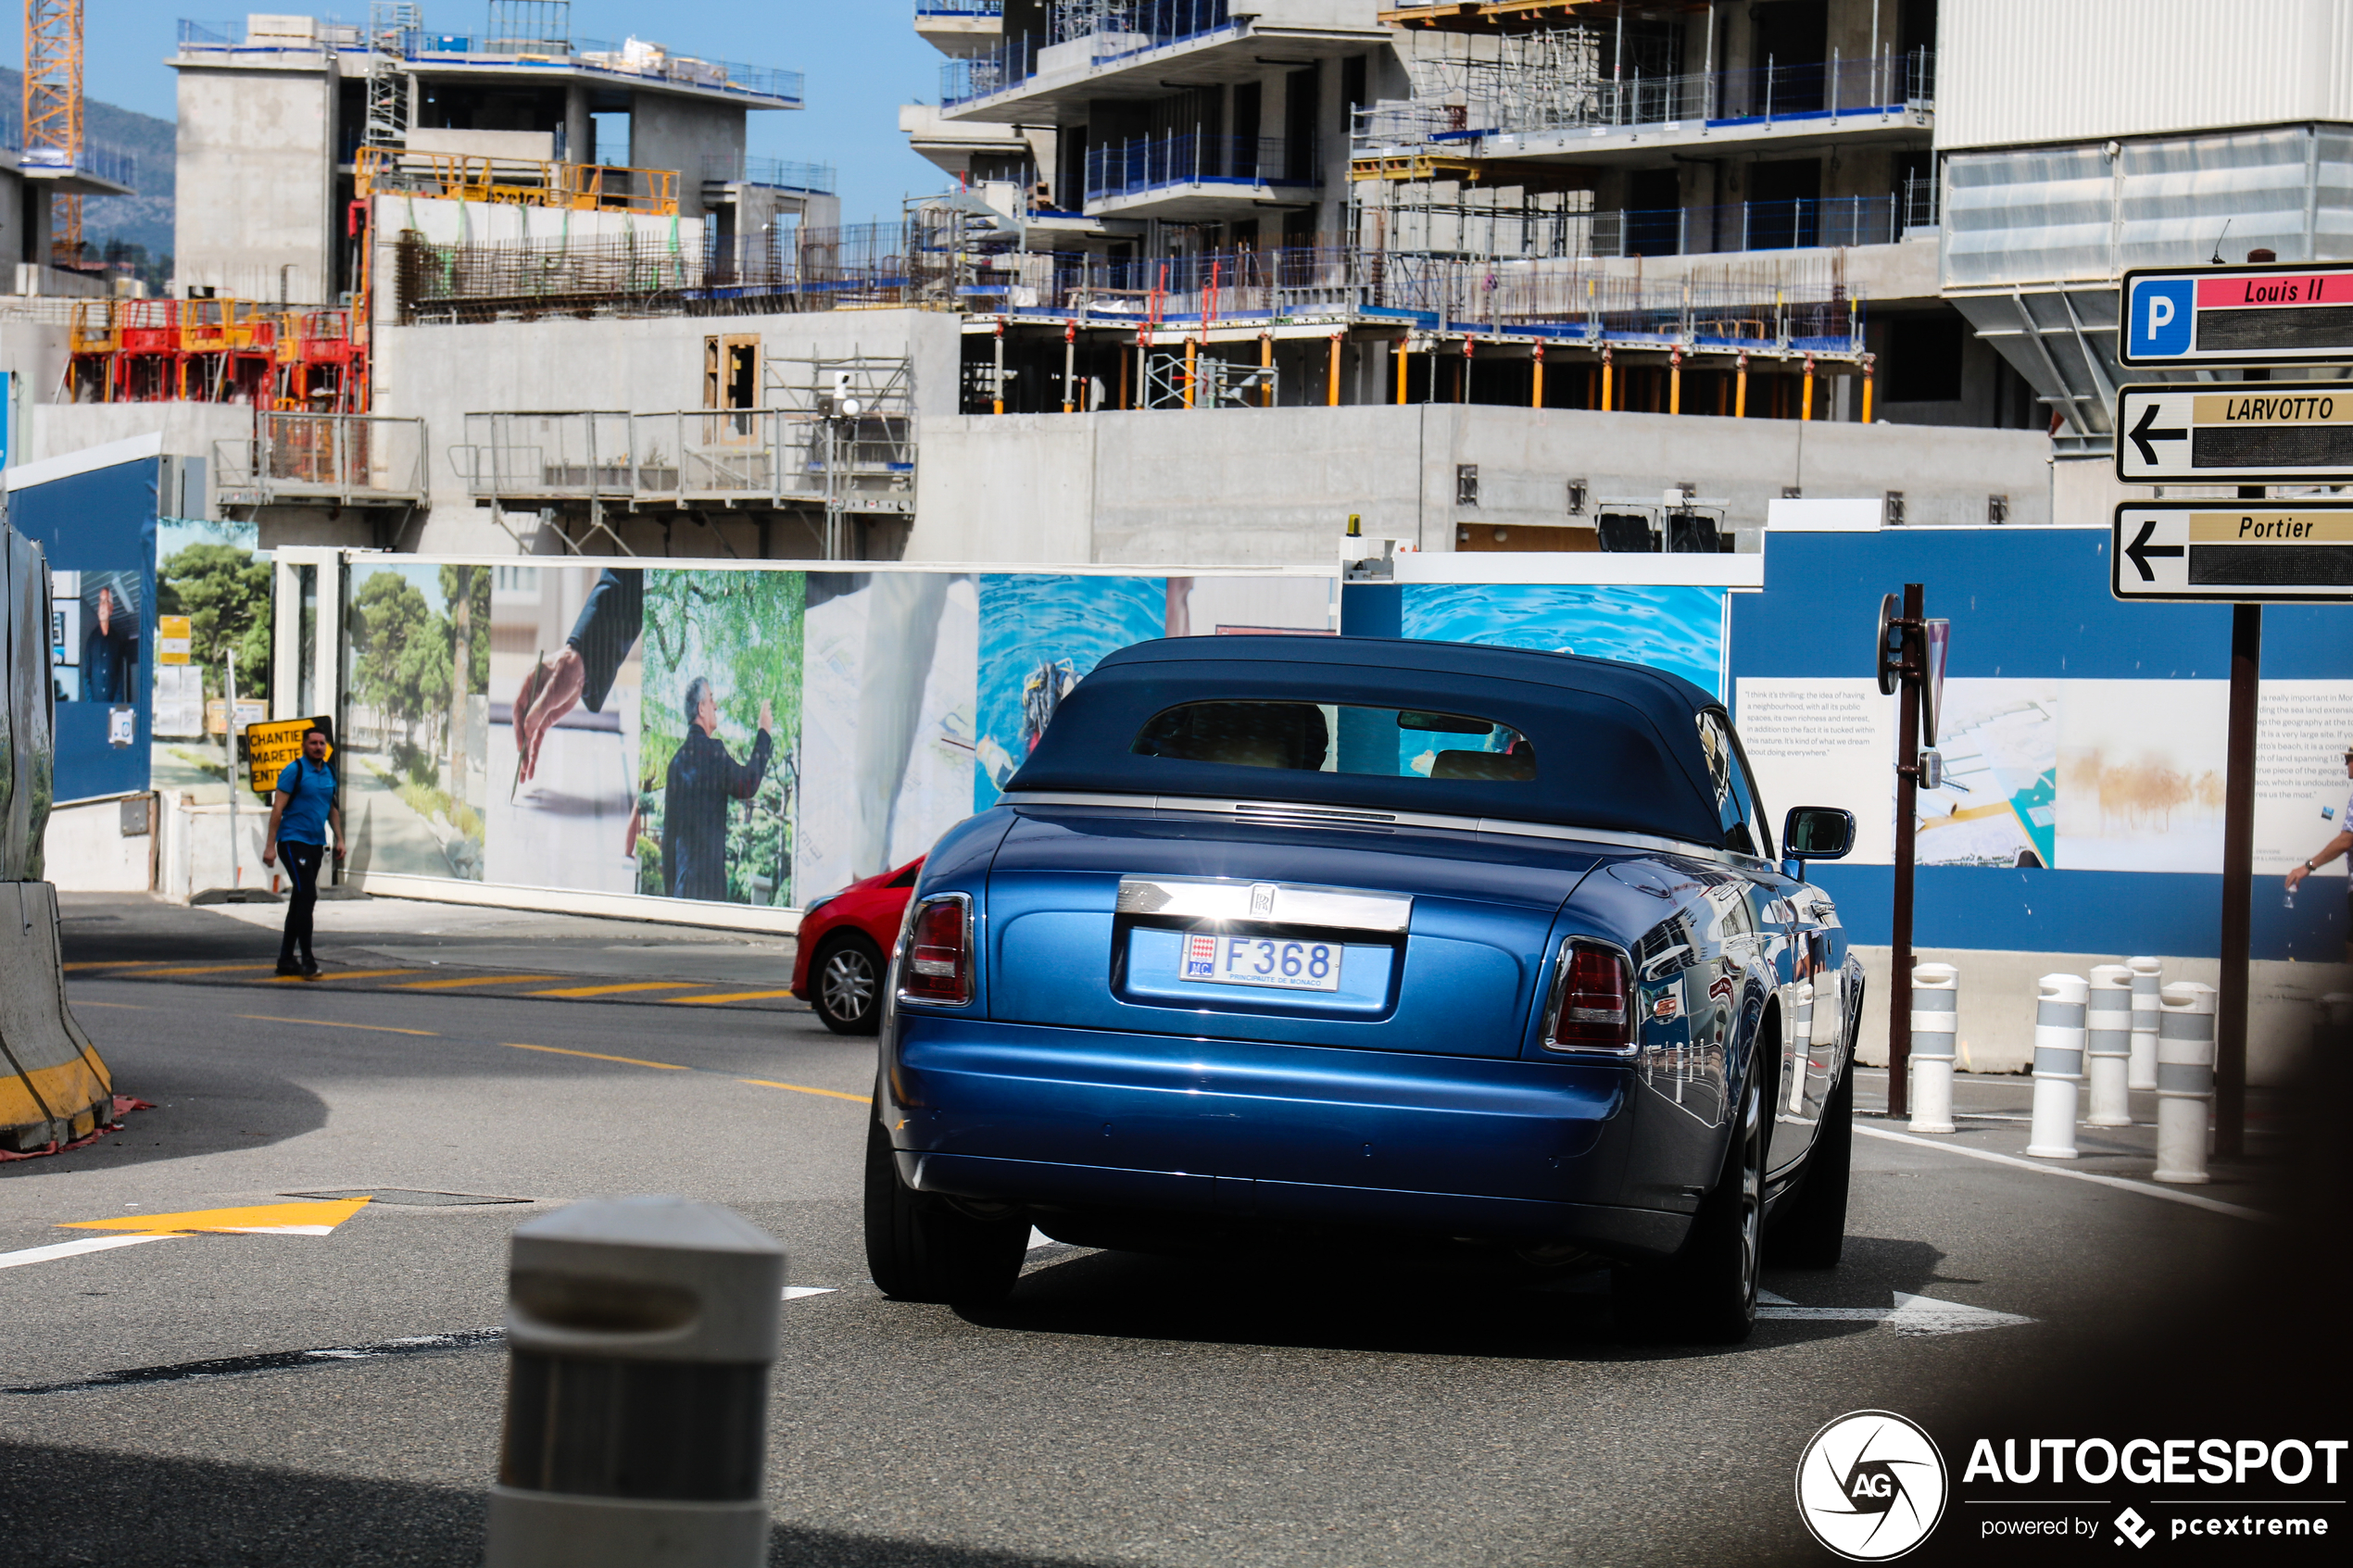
1617,745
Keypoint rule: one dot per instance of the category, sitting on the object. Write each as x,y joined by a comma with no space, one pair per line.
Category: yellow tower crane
52,110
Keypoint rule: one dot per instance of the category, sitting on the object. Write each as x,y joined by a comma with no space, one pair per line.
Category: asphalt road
1251,1409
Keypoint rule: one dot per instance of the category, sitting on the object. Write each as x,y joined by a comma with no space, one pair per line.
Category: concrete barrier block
53,1087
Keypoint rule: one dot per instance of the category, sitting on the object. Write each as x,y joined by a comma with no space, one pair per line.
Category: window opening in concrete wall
1924,359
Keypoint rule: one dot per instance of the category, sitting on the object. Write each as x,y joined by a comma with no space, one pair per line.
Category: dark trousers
301,861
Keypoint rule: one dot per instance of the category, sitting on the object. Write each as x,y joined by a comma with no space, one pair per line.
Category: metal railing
1150,163
582,187
344,459
1767,95
778,456
1745,226
782,173
1124,32
959,8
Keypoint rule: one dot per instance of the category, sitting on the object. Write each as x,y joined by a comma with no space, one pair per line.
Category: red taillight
1592,1006
940,965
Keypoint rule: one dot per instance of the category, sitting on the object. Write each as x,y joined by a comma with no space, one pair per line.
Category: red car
846,939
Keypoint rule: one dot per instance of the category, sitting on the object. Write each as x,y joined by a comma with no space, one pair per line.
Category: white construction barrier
2184,1082
2107,1046
641,1332
1936,1002
2148,978
2059,1007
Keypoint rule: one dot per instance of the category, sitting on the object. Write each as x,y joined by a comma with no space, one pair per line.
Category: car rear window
1340,738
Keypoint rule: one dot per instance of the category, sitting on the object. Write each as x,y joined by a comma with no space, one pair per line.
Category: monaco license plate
1261,961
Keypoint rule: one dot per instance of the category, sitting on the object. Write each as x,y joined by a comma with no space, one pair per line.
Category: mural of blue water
1675,629
1039,636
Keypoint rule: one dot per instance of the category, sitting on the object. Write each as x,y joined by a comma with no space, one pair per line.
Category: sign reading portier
2248,553
2266,315
2235,432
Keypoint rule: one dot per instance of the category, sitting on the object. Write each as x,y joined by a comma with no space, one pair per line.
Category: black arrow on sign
2139,551
2143,434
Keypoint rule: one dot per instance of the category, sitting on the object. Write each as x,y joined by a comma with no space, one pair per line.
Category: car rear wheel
922,1248
1809,1226
845,985
1707,1295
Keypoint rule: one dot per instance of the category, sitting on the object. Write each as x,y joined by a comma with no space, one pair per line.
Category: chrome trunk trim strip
1278,903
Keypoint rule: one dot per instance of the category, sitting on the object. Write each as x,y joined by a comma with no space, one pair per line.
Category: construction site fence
741,454
1791,299
332,458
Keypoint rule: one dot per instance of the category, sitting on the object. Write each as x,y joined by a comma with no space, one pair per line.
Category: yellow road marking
477,979
805,1089
330,1024
343,975
126,1006
116,963
211,969
599,1056
293,1219
729,997
615,990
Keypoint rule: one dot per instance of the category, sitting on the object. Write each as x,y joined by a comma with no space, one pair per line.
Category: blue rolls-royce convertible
1388,943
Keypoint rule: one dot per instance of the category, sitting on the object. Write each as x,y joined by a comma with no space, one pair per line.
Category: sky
862,57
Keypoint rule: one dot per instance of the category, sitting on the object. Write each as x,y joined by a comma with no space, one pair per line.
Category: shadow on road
72,1506
1420,1308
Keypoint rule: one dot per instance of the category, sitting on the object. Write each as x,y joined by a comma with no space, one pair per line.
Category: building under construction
1461,271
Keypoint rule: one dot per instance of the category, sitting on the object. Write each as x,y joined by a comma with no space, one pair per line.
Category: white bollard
2059,1063
1937,1002
2148,977
2184,1082
2108,1046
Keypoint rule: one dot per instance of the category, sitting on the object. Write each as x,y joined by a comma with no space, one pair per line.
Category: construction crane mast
53,110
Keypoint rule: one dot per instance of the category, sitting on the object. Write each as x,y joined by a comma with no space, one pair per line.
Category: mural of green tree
225,594
742,631
420,657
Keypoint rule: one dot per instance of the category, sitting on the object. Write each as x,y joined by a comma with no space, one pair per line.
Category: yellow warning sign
260,1219
174,639
269,747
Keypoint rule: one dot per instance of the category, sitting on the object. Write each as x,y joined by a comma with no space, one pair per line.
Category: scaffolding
53,111
577,187
395,30
214,351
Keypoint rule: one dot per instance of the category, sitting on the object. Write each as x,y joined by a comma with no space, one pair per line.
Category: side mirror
1818,833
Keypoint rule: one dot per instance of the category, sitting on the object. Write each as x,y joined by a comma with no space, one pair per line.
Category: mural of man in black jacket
703,778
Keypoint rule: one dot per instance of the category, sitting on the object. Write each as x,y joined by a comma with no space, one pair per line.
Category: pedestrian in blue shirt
302,813
2341,844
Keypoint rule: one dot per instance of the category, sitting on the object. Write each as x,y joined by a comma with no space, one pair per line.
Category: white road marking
2146,1189
1911,1316
795,1292
75,1248
1038,1239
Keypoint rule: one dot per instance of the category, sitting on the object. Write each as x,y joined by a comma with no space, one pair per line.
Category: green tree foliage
743,630
473,583
225,594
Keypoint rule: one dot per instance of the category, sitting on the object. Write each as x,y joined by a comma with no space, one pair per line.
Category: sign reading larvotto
2242,553
2292,314
2234,432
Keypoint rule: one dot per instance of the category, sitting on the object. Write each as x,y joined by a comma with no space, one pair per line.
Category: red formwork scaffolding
215,351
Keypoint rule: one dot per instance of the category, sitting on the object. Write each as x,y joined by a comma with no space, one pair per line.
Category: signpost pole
1907,763
2238,881
229,743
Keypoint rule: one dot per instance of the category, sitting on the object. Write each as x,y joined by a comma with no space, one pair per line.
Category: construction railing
782,173
1745,226
581,187
1120,30
337,460
1140,164
1797,300
1501,97
776,457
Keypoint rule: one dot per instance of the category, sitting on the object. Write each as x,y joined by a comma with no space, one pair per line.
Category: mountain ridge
141,219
